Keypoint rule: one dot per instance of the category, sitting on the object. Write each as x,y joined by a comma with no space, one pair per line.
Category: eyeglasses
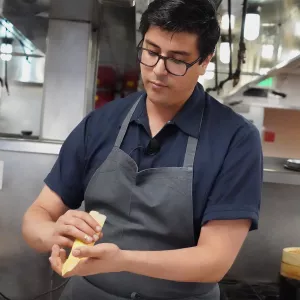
173,66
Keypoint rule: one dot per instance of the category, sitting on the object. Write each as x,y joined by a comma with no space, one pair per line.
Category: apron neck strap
191,146
126,122
190,152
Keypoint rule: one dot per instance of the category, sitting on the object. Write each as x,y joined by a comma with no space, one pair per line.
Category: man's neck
159,115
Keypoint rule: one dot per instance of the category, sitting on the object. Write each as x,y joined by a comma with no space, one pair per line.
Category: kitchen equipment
26,132
293,164
290,274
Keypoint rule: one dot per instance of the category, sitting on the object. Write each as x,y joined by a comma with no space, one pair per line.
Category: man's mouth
158,84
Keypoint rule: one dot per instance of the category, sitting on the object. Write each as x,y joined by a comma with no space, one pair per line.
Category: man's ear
204,64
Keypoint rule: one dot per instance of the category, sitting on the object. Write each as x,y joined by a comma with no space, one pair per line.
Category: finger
55,259
72,231
55,252
54,266
88,219
63,255
93,252
84,227
64,242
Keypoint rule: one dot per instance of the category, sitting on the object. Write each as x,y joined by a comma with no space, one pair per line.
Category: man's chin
156,96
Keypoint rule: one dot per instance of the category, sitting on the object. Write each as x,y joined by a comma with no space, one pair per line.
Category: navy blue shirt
228,165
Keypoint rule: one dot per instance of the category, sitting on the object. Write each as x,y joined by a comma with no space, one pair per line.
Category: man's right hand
48,221
75,225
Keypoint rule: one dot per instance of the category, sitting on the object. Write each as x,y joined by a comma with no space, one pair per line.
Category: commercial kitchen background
60,59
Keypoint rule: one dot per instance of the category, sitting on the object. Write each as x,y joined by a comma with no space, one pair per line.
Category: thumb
90,251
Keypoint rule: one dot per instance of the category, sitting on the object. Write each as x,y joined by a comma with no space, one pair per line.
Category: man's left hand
102,258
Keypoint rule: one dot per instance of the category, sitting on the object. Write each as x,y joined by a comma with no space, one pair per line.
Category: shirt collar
187,119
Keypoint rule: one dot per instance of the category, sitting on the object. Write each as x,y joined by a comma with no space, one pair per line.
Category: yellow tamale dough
72,261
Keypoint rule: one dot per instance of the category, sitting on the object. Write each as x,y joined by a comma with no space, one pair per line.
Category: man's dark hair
192,16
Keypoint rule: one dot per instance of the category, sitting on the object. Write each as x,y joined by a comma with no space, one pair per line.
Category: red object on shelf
269,136
130,82
103,97
106,77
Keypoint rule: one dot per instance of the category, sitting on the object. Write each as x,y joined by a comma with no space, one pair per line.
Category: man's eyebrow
183,53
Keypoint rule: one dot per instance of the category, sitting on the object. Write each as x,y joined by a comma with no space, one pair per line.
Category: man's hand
75,225
102,258
48,221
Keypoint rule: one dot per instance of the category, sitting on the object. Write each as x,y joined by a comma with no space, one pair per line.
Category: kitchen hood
275,89
27,16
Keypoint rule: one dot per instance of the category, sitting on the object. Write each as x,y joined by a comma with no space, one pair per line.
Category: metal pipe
217,87
230,37
242,49
242,73
25,55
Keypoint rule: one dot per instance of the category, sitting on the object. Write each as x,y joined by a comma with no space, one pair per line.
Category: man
177,174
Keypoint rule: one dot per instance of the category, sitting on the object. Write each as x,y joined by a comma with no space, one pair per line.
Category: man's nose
160,68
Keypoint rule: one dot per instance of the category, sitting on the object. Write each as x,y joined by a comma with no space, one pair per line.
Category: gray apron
146,210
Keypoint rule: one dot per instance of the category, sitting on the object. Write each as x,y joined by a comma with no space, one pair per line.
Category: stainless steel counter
274,171
30,146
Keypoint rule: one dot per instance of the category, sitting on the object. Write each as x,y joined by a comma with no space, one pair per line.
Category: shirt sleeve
66,176
236,193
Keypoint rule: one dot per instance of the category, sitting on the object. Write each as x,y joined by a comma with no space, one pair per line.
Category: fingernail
89,239
96,237
76,252
98,228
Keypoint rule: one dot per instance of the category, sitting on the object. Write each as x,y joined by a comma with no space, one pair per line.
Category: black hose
241,52
5,77
242,46
230,37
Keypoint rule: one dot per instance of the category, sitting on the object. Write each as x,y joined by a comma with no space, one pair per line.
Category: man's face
162,87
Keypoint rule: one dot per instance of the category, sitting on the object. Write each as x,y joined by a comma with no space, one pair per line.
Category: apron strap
191,146
190,152
125,123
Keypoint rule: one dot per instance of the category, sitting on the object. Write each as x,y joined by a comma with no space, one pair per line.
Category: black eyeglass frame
165,58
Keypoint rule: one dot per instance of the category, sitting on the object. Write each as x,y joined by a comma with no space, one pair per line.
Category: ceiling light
6,57
225,52
267,51
210,71
6,48
297,29
252,26
225,22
